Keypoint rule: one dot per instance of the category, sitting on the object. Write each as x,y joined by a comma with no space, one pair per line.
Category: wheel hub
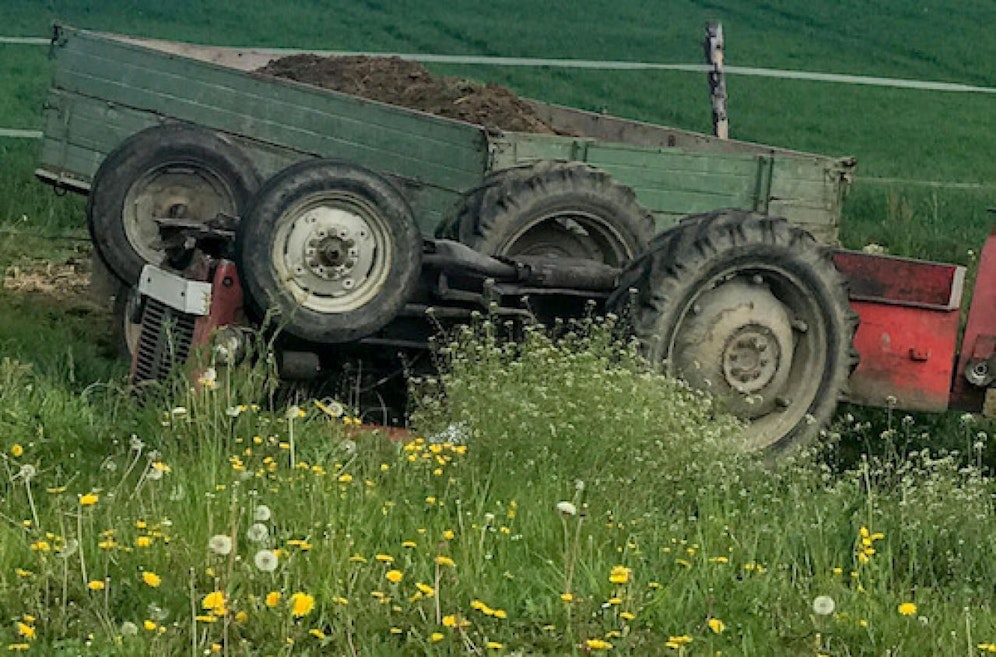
331,252
736,342
331,257
751,359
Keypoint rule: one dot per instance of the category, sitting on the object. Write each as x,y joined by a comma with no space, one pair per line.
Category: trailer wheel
172,171
332,248
558,209
751,309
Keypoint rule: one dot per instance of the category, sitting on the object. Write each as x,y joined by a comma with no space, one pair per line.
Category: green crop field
596,507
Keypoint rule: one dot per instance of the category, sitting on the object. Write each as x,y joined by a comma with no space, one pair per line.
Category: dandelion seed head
266,561
258,532
220,544
823,605
567,508
262,513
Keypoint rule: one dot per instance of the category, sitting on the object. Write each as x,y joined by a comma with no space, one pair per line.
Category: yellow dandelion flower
41,546
598,644
716,625
567,597
627,615
436,637
494,645
445,561
358,558
206,619
214,601
16,450
425,589
394,576
149,625
151,579
96,585
450,620
241,618
409,544
89,499
272,599
18,647
25,630
345,478
907,609
317,633
143,541
501,614
396,630
384,558
620,575
21,572
301,604
676,642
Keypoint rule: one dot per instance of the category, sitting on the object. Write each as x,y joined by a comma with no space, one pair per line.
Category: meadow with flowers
589,506
555,496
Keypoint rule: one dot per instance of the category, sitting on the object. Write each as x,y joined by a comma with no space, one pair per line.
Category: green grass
894,133
583,475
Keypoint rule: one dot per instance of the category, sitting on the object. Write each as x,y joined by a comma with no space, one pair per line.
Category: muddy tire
751,309
554,209
175,171
332,248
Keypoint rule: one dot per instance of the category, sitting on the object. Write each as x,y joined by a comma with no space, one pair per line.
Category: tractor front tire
332,248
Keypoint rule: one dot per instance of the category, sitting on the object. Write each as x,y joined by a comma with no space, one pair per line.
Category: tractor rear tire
556,209
332,248
751,309
171,171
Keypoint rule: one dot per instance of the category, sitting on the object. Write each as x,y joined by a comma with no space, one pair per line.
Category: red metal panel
906,353
909,312
226,302
979,331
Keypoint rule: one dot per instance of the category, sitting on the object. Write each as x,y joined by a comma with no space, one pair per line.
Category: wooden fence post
717,81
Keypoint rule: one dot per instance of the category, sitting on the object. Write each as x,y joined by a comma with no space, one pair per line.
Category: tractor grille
165,341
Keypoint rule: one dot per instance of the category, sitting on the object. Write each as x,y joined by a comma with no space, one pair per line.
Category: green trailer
109,87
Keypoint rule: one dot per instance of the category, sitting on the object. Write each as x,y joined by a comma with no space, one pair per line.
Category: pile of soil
409,84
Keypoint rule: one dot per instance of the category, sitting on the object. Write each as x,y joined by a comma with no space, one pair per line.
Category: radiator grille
165,341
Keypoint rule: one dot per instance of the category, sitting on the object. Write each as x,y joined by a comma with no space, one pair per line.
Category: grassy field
578,517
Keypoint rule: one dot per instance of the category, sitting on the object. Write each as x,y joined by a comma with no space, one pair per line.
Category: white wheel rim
332,252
